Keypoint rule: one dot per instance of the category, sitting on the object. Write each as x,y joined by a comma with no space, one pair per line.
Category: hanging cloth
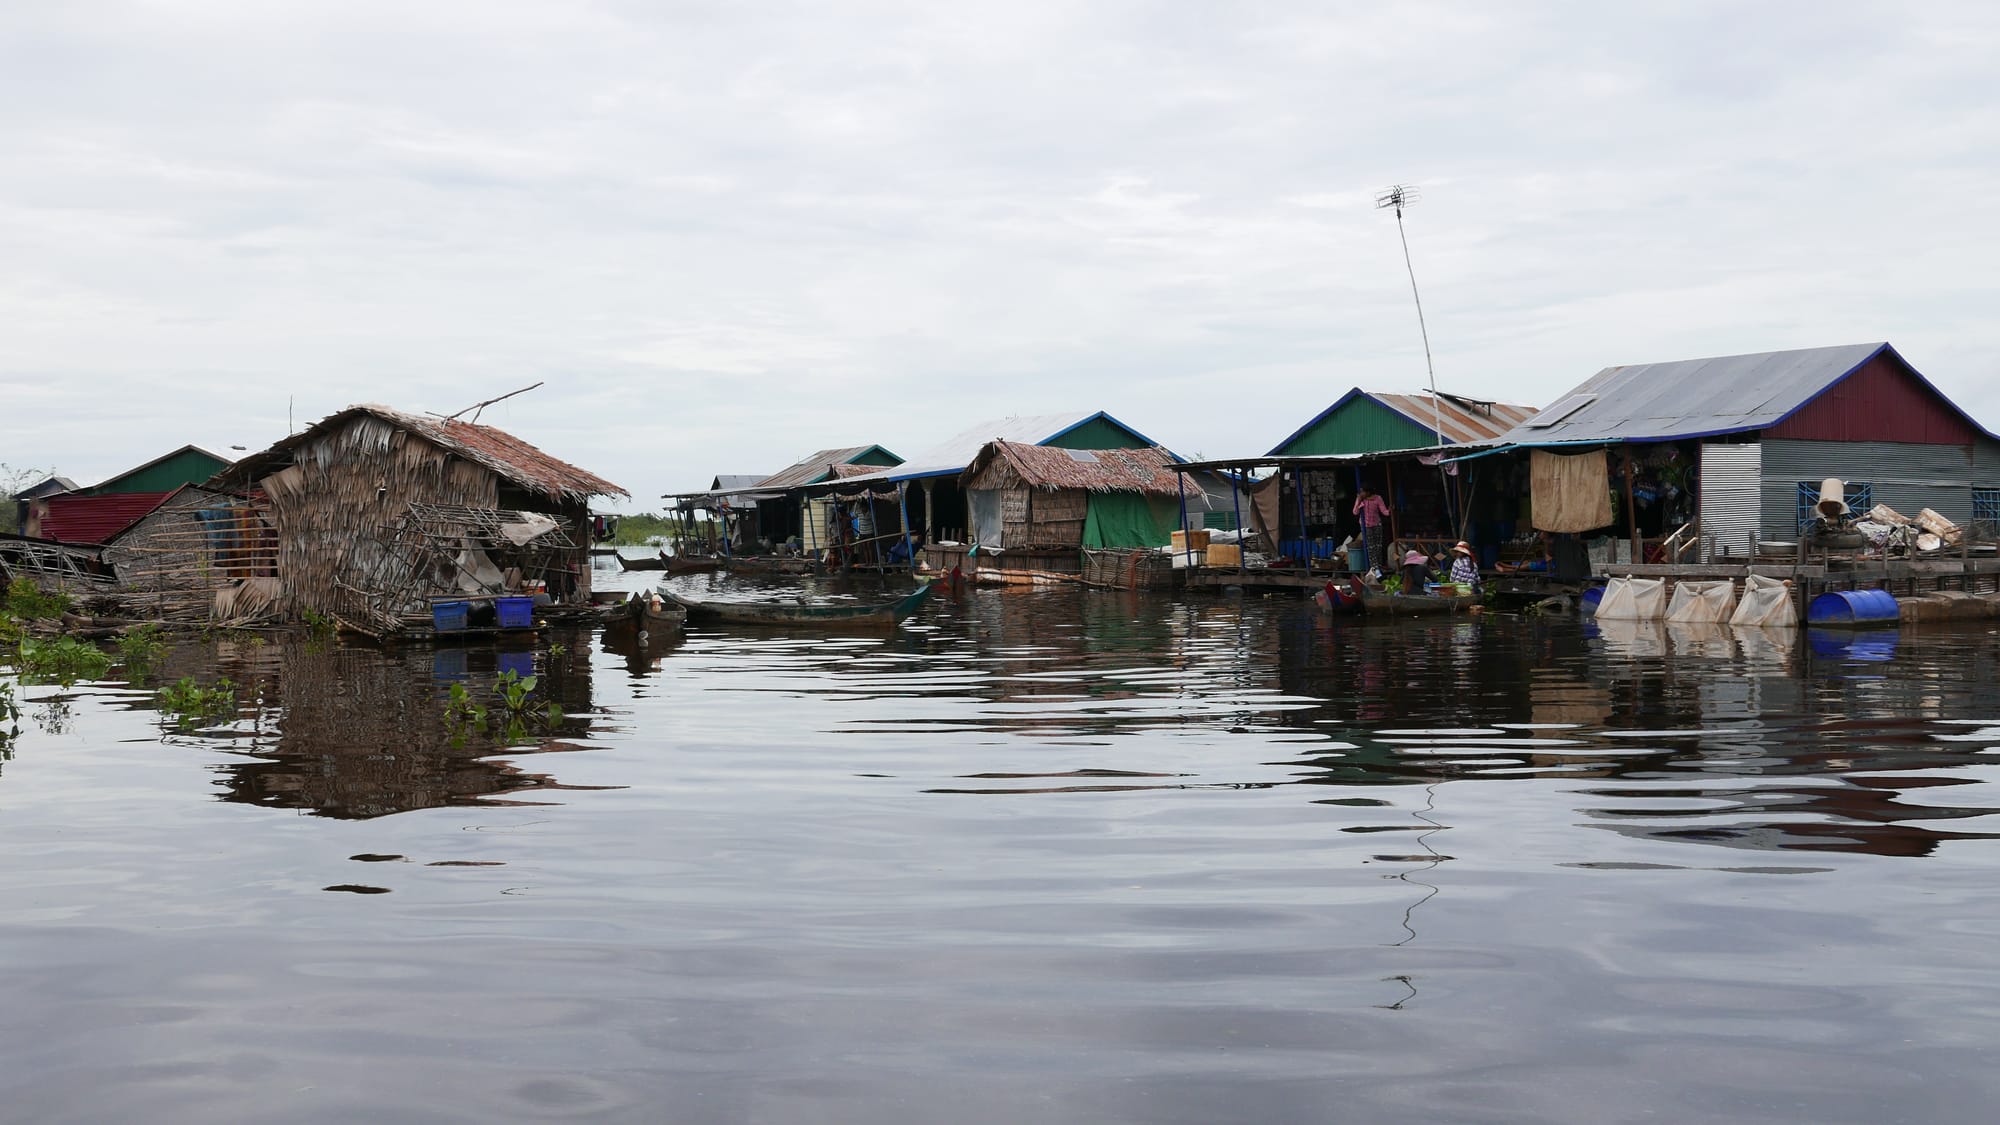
1569,493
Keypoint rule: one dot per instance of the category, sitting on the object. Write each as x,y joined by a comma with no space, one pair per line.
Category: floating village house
374,511
1731,451
729,499
28,513
780,514
1047,498
929,483
97,513
1309,502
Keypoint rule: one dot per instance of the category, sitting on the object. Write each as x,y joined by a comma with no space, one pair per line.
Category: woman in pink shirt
1371,509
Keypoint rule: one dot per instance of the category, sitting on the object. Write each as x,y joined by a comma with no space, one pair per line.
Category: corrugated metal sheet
96,519
1462,419
812,469
1904,476
1880,401
1986,463
1725,394
1731,478
950,457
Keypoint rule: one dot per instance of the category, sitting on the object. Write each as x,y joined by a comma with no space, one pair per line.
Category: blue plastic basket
515,613
450,617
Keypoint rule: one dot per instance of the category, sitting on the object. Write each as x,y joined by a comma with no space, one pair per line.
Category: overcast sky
726,234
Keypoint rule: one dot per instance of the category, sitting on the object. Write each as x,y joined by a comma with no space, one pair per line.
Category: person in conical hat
1463,569
1415,571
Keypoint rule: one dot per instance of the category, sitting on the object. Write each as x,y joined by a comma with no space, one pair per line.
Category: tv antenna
1399,196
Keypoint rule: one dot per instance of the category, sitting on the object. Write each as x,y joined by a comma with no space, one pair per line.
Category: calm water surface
1036,856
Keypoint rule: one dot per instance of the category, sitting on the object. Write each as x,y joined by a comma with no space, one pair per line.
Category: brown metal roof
818,467
1462,419
1094,470
497,450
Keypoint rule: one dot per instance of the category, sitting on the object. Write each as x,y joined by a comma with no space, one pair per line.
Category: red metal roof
95,519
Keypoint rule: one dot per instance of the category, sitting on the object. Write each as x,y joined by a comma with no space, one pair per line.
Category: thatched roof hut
1039,496
376,510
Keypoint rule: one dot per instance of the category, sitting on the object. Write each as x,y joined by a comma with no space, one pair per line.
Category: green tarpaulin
1127,519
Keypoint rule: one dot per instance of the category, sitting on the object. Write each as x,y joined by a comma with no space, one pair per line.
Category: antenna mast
1399,196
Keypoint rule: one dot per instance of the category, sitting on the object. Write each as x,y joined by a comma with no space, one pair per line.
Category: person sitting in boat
1463,569
1415,572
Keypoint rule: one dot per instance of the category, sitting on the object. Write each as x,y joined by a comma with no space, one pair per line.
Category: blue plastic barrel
1842,644
1853,607
1588,603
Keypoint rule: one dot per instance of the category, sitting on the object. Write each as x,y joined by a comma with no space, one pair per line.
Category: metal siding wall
1730,508
1362,426
1986,464
1906,477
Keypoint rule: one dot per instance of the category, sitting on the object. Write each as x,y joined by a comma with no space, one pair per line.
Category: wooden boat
766,564
832,615
646,563
678,564
1335,599
1383,603
647,614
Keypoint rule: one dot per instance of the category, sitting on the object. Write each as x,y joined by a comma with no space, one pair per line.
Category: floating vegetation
140,649
61,660
190,705
514,709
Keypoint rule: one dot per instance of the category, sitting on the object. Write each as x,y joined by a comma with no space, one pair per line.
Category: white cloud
729,234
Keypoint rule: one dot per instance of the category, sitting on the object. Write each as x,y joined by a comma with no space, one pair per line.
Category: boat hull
879,614
1380,603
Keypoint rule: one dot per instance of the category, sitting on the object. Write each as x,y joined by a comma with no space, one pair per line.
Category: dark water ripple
1050,856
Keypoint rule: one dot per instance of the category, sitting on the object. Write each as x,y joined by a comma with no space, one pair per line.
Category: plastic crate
450,617
515,613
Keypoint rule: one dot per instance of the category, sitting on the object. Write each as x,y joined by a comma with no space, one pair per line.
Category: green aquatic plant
140,649
10,717
319,626
189,704
61,660
27,602
513,707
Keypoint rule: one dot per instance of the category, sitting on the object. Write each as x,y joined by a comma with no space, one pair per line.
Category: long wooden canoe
1405,605
649,562
832,615
677,564
766,564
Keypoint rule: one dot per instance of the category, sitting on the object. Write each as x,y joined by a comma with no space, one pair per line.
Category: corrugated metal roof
97,519
1095,470
1462,419
950,457
48,487
496,450
1694,397
813,469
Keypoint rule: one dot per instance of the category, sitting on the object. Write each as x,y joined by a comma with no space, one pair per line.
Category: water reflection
1053,856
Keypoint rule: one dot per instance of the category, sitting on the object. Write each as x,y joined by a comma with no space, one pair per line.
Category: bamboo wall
173,566
331,507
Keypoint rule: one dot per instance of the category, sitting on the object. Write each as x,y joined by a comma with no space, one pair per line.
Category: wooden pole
1389,490
1631,510
1236,501
903,506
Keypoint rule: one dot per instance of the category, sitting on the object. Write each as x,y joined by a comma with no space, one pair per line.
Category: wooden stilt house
376,511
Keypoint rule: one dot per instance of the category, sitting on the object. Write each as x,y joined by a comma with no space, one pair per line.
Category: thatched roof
498,451
1093,470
